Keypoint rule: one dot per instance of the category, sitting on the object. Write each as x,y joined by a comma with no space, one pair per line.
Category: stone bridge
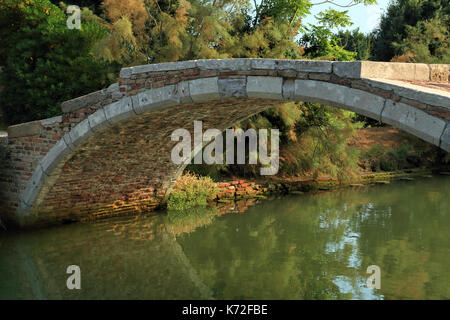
109,151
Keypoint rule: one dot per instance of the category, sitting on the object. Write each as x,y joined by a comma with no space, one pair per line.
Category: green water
294,247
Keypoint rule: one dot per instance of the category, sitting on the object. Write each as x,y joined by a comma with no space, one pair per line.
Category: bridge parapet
383,91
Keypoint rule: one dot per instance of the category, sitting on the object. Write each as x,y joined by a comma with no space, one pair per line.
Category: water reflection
295,247
319,247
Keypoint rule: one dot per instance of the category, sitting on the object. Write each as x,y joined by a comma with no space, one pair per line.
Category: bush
190,191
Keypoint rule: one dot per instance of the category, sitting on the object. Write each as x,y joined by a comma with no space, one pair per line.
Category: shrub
190,191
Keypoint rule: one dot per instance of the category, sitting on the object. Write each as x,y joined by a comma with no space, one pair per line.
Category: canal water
312,246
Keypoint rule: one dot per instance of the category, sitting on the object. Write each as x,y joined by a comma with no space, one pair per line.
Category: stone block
204,89
445,139
414,121
289,89
265,87
33,186
119,110
83,101
68,141
155,98
97,120
27,129
266,64
232,88
388,70
225,64
355,100
364,103
56,154
312,66
80,132
320,92
161,67
347,69
183,92
112,88
380,70
125,73
51,121
439,72
422,72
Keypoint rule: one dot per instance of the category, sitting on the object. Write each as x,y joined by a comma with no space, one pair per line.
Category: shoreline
238,189
247,192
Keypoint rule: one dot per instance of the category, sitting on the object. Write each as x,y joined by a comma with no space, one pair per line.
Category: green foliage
313,141
45,62
416,27
320,43
355,41
366,121
427,42
323,133
333,18
414,153
187,220
94,5
191,191
289,11
380,158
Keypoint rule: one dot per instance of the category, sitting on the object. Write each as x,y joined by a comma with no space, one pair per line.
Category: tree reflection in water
295,247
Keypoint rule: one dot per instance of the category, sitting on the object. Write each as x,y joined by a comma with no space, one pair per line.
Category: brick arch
115,156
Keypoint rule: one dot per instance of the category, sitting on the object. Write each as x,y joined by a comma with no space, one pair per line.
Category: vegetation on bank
374,154
190,191
411,155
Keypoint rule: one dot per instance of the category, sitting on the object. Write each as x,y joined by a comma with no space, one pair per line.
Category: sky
365,17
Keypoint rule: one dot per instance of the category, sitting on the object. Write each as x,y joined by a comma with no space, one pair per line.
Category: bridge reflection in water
124,257
297,247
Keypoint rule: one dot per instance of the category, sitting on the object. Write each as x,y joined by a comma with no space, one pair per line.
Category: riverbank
260,188
385,154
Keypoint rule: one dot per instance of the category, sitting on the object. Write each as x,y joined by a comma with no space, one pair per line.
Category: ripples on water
295,247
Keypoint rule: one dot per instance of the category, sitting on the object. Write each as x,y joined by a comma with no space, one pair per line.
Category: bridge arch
115,154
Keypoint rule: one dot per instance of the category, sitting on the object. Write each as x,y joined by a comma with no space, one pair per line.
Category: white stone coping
32,128
239,64
346,69
434,97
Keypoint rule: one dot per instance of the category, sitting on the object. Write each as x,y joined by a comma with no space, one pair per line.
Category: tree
427,42
45,62
401,24
355,41
320,43
94,5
